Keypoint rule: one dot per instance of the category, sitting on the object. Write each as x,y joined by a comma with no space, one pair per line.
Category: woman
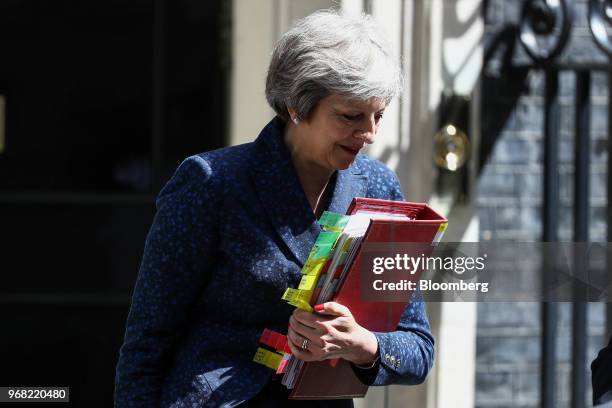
234,227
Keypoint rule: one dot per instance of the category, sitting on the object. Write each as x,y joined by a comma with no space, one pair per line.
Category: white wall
440,43
257,25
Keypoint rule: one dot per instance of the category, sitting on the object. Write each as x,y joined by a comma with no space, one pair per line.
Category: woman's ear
293,116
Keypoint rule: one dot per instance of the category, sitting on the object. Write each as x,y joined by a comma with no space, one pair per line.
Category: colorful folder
387,221
322,380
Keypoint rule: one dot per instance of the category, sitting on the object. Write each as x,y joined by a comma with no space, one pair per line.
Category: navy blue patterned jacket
232,231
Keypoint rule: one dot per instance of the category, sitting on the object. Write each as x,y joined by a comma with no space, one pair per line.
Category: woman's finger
304,355
310,325
332,308
301,328
297,352
297,339
327,328
313,338
305,318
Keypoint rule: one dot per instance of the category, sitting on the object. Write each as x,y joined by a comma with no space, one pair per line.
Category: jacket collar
284,201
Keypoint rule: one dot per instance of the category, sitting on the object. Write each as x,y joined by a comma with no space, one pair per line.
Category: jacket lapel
350,183
281,194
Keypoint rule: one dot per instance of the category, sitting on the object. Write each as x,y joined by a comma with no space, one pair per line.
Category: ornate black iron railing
544,31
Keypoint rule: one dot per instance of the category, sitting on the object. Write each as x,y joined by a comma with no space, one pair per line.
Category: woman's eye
351,117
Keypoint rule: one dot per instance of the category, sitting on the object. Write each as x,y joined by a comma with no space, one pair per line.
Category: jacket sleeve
175,266
407,354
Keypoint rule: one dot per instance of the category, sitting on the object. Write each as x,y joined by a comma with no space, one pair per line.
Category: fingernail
319,307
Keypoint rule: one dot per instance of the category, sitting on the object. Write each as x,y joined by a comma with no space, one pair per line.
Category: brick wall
509,202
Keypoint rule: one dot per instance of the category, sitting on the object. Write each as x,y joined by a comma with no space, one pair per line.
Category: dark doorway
103,101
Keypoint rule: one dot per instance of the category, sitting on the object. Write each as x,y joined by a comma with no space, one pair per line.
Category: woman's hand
330,332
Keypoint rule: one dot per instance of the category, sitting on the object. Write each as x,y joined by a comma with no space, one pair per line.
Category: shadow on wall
503,80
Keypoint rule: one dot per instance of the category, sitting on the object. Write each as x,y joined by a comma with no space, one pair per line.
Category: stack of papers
338,263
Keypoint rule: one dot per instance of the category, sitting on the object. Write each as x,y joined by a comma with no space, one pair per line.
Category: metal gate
543,32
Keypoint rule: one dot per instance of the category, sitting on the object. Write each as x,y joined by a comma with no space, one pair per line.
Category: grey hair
328,53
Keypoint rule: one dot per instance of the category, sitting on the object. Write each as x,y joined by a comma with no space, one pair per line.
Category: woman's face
337,130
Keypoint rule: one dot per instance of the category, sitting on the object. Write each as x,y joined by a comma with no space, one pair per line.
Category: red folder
323,380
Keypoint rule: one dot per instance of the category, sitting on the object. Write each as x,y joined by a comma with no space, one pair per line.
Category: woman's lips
351,150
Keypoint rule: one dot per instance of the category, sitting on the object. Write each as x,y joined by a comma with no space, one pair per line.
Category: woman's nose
367,132
367,137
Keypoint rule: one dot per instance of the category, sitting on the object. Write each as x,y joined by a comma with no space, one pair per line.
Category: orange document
421,224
